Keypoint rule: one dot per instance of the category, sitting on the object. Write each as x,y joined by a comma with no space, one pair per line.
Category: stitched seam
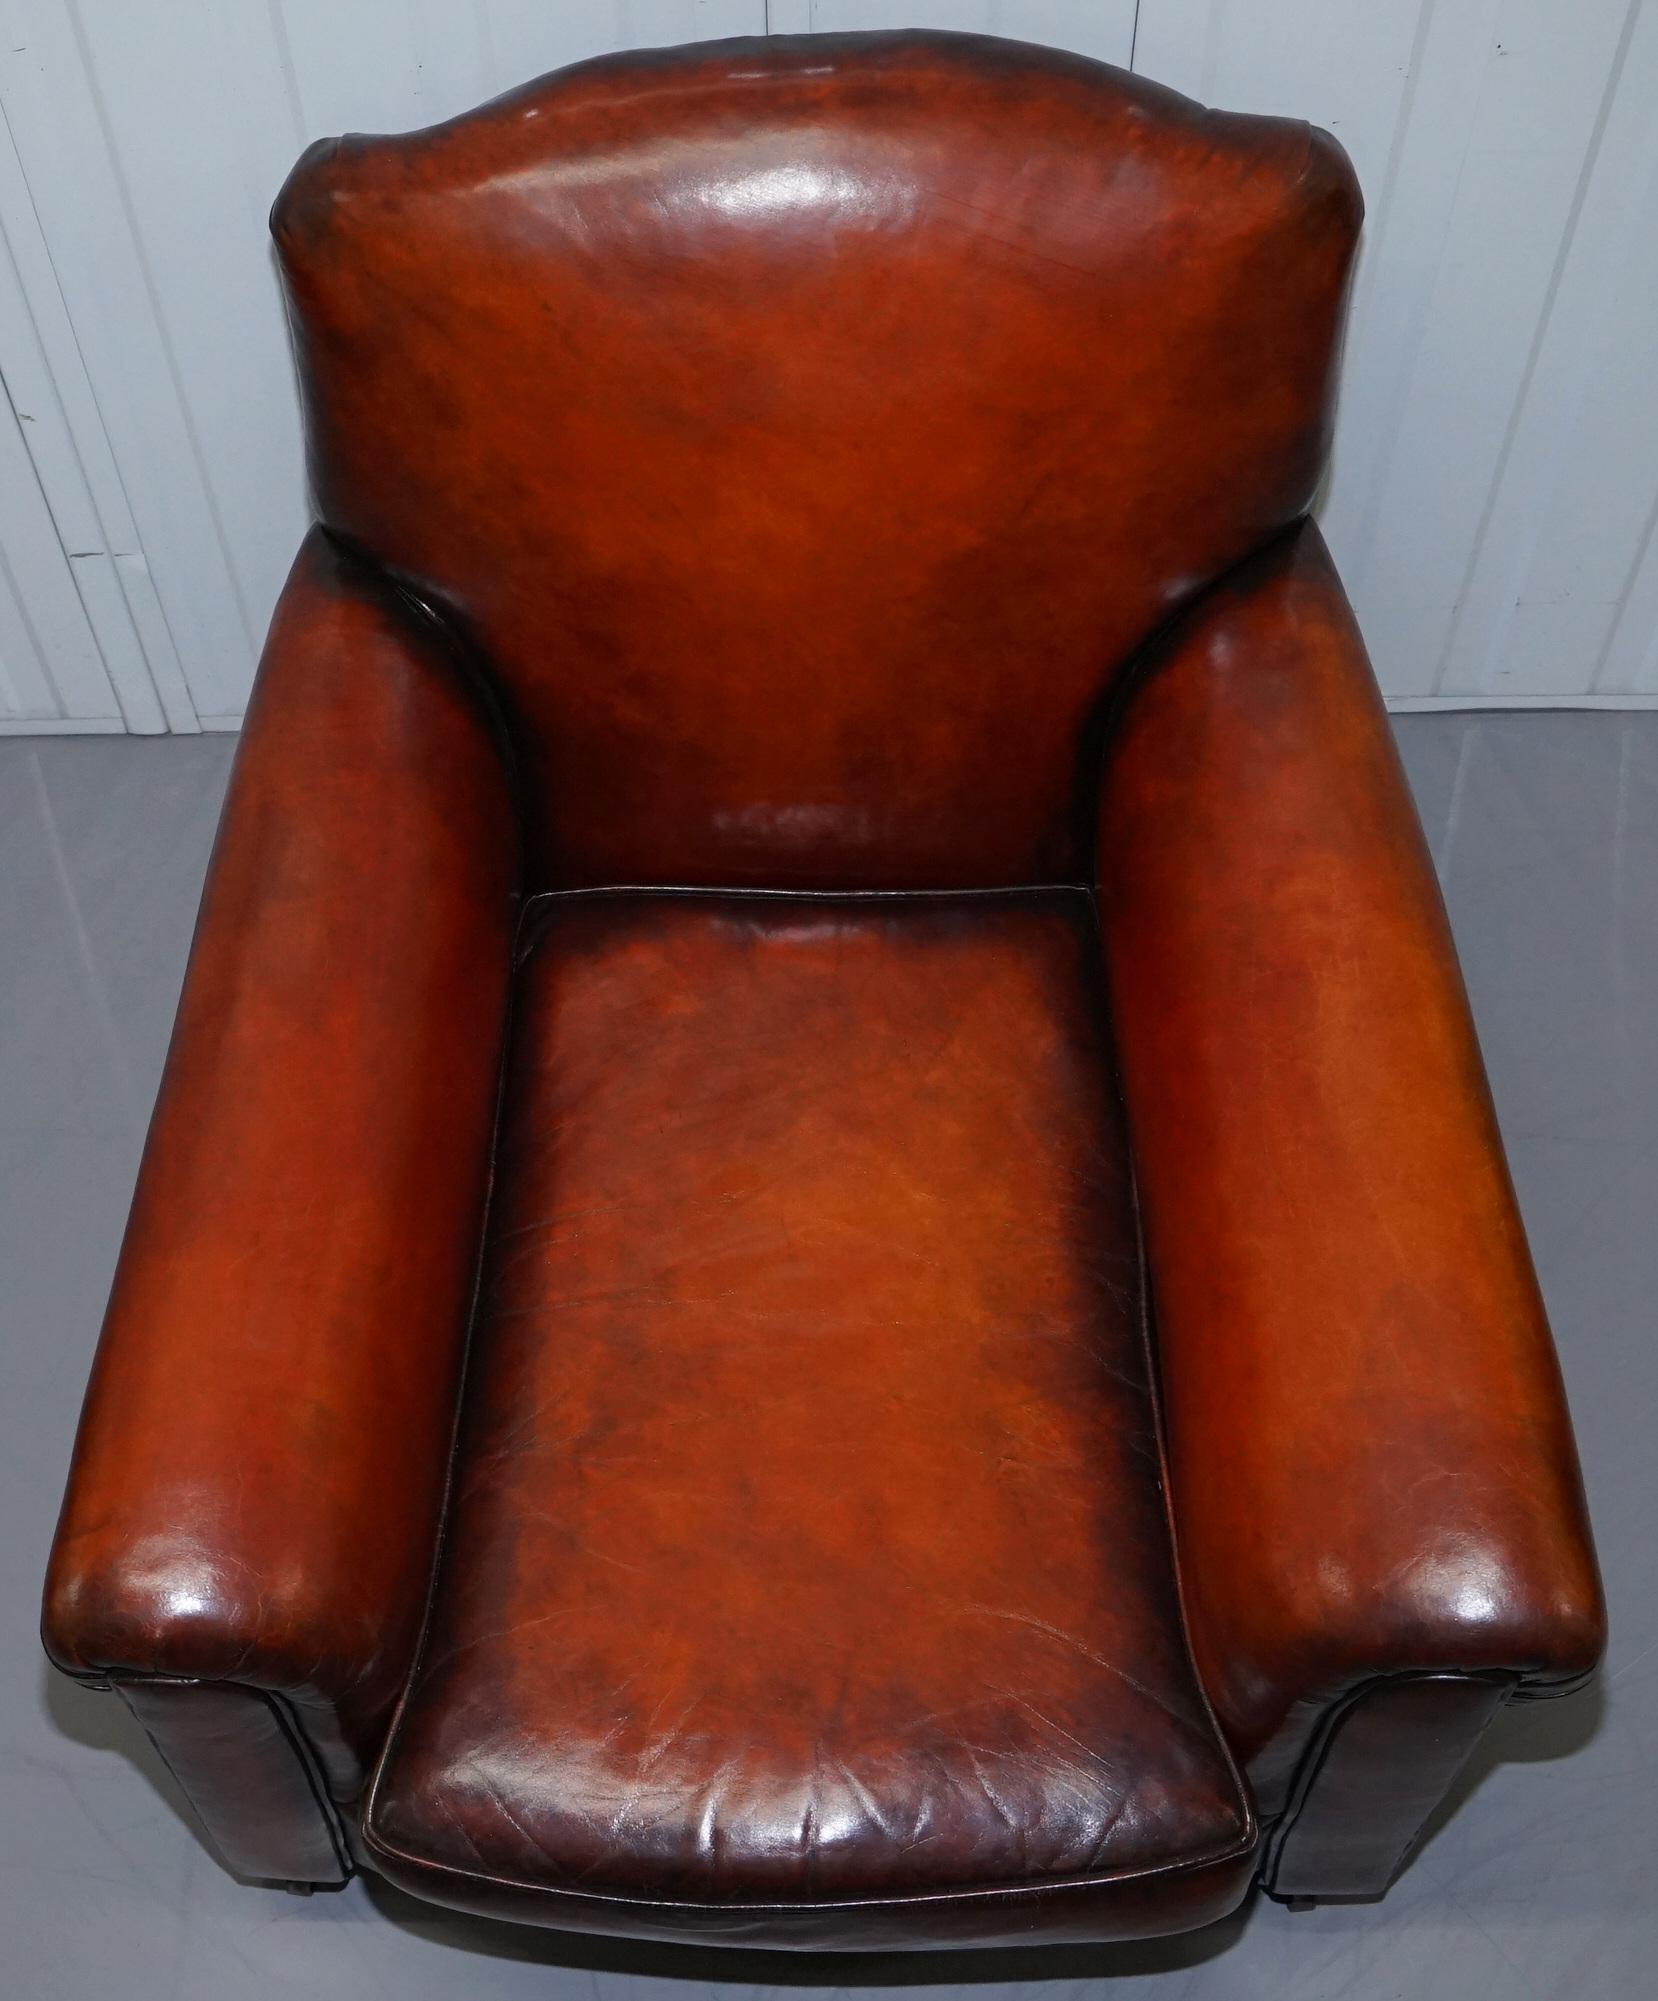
536,905
1539,1688
465,659
1237,1845
1318,1752
440,1540
805,895
1206,1859
1243,1792
288,1722
812,895
293,1735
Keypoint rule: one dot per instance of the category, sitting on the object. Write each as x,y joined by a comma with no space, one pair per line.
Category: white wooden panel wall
82,641
1101,28
1496,468
1494,496
152,138
50,666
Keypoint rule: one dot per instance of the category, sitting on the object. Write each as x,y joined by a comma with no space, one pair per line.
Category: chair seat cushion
807,1578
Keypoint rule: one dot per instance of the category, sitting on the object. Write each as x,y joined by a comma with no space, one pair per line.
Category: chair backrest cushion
804,431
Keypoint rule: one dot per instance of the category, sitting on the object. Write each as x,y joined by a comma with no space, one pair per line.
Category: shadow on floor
747,1966
101,1722
98,1719
1527,1733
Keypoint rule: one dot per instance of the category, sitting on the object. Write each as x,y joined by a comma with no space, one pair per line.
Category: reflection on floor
1545,830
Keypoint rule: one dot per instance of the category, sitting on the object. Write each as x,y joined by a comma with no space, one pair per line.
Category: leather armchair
968,1369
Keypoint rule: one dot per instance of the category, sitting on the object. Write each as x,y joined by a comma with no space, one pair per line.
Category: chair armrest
1371,1466
261,1460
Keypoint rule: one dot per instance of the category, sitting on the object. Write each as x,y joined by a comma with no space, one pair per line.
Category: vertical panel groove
72,11
1211,49
488,61
1379,206
14,695
1646,549
1540,332
79,483
1492,498
290,76
1403,363
52,537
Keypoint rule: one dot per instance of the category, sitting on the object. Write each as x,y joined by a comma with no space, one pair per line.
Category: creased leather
807,1544
795,441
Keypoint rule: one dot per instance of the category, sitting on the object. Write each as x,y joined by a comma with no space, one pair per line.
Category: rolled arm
1373,1476
261,1460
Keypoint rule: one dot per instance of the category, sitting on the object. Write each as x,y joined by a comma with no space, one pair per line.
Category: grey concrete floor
1543,1880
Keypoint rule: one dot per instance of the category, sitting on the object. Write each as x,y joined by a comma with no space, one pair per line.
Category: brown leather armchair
1004,1392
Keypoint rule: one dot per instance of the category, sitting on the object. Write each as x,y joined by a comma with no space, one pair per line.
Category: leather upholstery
807,1543
1381,1766
785,467
247,1764
805,430
1372,1467
263,1451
